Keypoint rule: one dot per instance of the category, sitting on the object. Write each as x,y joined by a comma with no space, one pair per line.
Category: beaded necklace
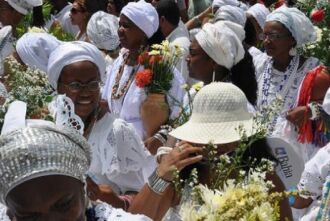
282,90
122,91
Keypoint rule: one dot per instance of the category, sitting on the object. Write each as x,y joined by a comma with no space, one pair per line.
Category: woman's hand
152,144
297,115
181,156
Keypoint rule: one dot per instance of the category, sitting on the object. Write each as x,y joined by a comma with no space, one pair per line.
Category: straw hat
218,110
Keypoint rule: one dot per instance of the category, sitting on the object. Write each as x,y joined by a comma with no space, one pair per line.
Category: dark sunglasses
75,11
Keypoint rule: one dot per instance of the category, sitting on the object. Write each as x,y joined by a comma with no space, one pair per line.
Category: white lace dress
3,213
119,158
128,106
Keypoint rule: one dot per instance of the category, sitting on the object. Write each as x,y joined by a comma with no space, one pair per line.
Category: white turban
6,45
34,49
234,27
143,15
220,3
259,12
231,13
296,22
221,44
72,52
24,6
102,31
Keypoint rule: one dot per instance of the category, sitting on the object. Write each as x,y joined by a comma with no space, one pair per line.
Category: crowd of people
240,61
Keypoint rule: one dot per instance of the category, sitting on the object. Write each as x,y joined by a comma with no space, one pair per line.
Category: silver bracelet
157,184
160,138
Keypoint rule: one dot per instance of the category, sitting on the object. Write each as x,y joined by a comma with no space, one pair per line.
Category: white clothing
63,17
128,106
3,213
180,37
119,158
278,81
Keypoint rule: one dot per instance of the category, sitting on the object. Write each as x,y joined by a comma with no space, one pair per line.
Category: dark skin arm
285,210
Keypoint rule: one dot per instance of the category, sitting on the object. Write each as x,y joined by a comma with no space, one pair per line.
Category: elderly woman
118,154
138,23
102,32
225,106
42,177
280,74
217,54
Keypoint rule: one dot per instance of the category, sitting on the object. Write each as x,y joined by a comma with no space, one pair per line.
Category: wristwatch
157,184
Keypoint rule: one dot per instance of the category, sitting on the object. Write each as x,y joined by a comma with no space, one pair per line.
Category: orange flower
143,78
143,58
154,59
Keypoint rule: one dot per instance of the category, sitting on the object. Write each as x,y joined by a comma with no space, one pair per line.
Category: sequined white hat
38,151
218,110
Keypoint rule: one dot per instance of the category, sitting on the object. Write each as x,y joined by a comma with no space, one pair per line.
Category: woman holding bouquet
137,25
219,110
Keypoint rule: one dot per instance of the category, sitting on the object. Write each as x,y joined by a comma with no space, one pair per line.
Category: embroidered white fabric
128,106
278,81
119,157
3,213
105,212
315,173
62,110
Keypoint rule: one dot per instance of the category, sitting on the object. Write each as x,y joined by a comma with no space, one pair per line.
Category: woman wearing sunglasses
80,13
282,71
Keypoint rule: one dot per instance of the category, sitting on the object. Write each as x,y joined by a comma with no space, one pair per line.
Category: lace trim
62,109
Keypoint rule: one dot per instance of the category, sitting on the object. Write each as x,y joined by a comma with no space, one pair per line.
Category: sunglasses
75,11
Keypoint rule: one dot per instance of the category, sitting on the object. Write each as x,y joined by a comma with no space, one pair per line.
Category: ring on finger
180,148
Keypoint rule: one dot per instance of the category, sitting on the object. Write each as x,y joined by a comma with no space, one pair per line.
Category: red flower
143,78
143,58
317,15
154,59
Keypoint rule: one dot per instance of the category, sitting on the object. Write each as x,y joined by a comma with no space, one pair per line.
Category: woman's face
78,15
48,198
200,65
130,36
111,8
278,40
80,82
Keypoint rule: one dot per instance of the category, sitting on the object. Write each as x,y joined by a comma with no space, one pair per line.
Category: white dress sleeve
315,173
119,154
105,212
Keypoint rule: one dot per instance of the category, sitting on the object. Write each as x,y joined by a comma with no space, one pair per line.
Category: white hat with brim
219,110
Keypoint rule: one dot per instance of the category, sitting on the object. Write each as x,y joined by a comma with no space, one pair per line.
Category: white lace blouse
119,158
128,106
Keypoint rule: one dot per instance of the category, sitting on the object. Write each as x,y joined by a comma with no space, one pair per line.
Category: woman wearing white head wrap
118,154
34,49
138,23
217,54
231,13
216,4
24,6
259,13
282,72
102,31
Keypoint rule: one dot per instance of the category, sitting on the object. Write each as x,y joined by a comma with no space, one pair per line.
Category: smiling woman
118,155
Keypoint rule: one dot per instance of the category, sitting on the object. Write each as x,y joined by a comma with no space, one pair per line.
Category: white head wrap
72,52
220,3
296,22
231,13
221,44
34,49
259,12
102,31
6,45
143,15
24,6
